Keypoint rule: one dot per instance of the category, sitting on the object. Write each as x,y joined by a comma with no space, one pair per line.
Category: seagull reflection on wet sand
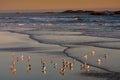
62,67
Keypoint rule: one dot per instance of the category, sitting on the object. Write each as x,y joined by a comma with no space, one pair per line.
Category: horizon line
59,10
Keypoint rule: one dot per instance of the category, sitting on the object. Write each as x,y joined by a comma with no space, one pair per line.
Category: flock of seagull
66,64
13,63
85,67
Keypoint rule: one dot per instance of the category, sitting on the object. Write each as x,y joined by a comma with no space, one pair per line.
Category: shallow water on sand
46,52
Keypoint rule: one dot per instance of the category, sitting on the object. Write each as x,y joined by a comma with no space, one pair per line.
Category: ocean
92,25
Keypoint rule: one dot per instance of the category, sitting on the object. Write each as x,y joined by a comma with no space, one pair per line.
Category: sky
26,5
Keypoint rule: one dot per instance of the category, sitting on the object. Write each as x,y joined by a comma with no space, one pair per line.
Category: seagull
85,57
93,53
62,71
106,56
55,65
17,59
28,69
44,70
99,61
71,66
88,68
14,71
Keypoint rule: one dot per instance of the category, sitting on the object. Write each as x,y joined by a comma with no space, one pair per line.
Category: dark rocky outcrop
71,11
117,12
93,12
102,13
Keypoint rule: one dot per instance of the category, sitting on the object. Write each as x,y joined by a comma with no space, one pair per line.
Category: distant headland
93,12
89,12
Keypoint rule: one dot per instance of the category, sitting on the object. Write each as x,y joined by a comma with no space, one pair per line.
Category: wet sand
19,44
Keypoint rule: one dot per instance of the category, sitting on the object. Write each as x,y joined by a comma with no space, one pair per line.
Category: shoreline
64,51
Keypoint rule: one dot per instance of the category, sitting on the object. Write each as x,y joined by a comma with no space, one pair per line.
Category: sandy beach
20,44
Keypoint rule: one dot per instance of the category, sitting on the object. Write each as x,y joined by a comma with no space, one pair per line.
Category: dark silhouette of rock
71,11
90,12
117,13
102,13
